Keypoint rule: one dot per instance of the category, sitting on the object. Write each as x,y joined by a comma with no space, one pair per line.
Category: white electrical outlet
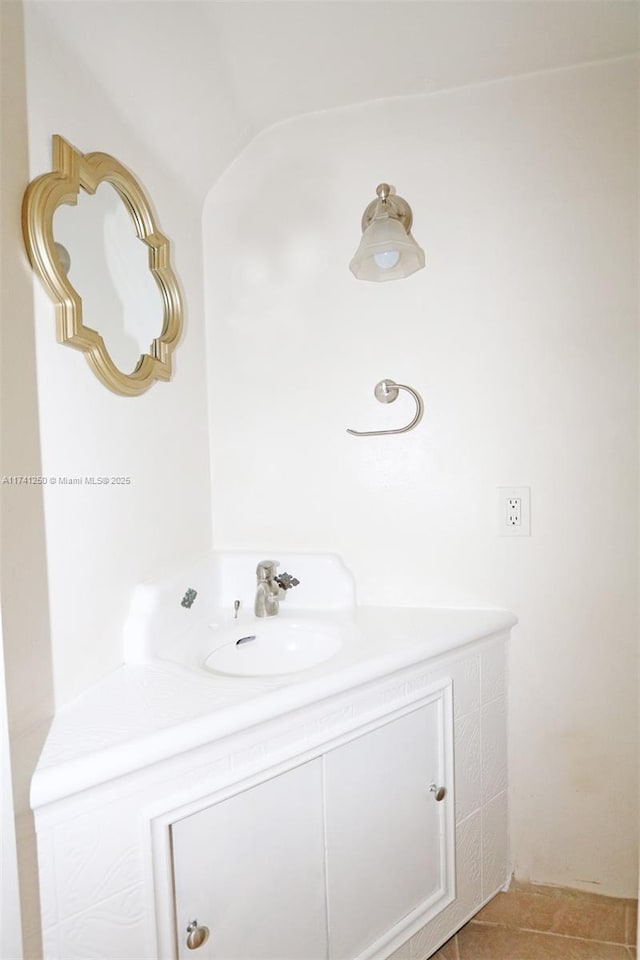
514,511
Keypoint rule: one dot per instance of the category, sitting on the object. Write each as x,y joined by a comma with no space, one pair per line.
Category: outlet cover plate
514,511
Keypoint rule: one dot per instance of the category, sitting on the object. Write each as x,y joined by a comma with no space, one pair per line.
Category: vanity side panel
496,853
495,846
97,859
112,929
93,882
47,879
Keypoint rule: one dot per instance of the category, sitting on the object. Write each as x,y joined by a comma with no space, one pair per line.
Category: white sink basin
268,647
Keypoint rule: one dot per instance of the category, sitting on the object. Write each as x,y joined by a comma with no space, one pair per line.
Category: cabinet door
250,868
386,836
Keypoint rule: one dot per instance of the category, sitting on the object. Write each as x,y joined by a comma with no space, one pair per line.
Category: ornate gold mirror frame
72,170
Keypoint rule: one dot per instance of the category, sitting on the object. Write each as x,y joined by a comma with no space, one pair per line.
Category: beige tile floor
547,923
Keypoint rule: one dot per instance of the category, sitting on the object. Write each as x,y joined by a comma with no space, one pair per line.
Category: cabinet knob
439,792
196,935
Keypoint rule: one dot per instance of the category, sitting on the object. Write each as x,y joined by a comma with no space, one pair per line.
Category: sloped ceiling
200,78
284,59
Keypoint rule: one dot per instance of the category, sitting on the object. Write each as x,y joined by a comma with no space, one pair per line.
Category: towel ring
386,392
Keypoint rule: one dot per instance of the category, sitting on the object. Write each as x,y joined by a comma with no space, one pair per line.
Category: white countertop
144,713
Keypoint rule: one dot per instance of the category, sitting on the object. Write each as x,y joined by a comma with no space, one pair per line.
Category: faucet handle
285,581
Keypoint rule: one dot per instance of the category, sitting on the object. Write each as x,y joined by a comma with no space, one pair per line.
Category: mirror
107,267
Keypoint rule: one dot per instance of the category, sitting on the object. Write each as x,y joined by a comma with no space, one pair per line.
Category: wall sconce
387,250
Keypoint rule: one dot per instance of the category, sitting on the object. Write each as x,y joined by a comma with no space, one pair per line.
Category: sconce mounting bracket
395,206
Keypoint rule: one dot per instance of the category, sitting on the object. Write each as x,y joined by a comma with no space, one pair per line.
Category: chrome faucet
271,588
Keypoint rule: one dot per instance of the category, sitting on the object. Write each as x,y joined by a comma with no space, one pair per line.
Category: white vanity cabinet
292,817
339,857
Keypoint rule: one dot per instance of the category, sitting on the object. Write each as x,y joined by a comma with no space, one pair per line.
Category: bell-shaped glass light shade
386,252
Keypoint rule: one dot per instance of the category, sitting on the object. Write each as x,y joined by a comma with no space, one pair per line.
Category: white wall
101,541
521,335
23,576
